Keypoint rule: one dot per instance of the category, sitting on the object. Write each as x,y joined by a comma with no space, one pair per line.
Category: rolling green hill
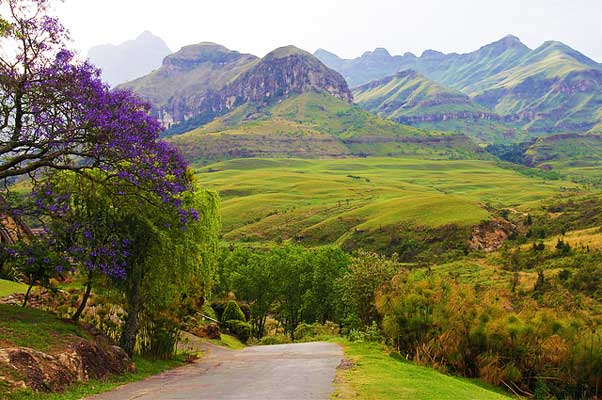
410,98
370,202
315,125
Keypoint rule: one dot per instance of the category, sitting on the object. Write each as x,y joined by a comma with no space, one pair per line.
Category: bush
232,312
208,311
371,334
271,340
307,331
240,329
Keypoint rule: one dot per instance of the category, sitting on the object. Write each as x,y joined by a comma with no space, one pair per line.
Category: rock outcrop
490,235
80,361
203,81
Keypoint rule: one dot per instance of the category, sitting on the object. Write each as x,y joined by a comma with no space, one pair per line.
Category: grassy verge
43,331
380,376
8,287
228,341
145,368
35,329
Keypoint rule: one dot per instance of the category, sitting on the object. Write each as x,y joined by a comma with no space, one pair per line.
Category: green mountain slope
551,89
577,156
315,125
410,98
204,81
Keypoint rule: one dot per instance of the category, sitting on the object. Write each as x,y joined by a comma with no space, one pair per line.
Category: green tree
368,272
321,301
251,275
293,277
168,260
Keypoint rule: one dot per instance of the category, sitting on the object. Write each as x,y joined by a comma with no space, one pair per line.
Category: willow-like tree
155,254
171,254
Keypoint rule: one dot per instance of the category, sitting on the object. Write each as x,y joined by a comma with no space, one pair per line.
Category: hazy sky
347,28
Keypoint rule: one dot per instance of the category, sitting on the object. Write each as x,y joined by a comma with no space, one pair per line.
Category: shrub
371,334
240,329
307,331
271,340
232,312
208,311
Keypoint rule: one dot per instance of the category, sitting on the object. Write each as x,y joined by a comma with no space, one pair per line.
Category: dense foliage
292,283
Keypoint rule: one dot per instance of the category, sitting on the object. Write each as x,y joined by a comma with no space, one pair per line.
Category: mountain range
220,104
129,60
550,89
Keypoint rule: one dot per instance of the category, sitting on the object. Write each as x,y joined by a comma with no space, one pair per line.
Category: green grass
314,125
145,368
35,329
324,201
228,341
8,287
380,376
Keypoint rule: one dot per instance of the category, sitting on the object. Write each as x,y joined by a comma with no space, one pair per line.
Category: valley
335,201
296,225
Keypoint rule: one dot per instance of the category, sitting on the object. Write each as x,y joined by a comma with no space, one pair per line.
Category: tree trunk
27,294
132,322
82,306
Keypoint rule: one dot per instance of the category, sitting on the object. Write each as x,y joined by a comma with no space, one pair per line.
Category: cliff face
283,72
203,81
550,89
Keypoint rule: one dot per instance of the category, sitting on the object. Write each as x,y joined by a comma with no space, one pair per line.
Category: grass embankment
144,367
43,331
380,376
228,341
8,287
38,330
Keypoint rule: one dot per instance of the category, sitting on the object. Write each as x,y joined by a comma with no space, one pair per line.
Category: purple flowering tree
79,217
57,114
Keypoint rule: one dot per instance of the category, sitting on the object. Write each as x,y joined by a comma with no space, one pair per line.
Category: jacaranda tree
56,113
129,209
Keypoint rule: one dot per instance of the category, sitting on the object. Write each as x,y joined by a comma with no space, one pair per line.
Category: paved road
283,372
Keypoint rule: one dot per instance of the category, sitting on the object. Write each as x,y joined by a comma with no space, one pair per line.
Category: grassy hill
365,201
379,376
315,125
8,287
410,98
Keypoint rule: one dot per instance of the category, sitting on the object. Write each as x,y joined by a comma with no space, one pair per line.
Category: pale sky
345,27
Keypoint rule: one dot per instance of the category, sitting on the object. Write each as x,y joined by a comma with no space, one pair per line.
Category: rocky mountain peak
190,57
377,53
147,36
506,43
431,54
284,71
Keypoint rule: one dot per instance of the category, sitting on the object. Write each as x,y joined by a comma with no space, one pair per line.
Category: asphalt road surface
283,372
